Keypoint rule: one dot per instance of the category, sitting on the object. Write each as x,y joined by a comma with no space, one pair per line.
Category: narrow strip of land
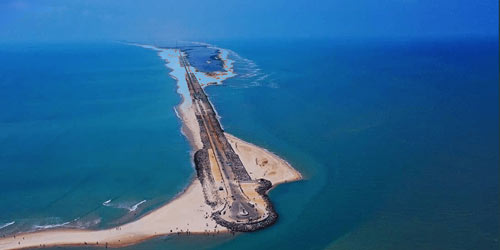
228,195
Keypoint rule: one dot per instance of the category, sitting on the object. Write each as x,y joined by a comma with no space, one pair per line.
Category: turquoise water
398,142
81,124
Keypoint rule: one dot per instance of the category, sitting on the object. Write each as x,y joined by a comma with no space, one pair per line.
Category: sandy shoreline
187,213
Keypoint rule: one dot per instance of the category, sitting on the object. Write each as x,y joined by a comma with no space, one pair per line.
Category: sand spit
260,163
188,213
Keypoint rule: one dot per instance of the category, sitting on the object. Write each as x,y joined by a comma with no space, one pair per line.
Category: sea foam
7,224
123,205
48,226
134,207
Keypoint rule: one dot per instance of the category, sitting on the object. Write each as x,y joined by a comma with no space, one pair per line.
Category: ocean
87,133
397,141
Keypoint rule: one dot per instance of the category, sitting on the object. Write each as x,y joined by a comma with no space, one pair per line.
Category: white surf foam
177,113
48,226
134,207
85,223
123,205
7,224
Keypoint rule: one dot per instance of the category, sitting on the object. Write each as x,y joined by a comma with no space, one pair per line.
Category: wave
7,224
39,224
41,227
177,114
86,224
54,223
134,207
123,205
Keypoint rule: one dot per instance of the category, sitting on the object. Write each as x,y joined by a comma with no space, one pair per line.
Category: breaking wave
124,205
7,224
134,207
41,227
37,224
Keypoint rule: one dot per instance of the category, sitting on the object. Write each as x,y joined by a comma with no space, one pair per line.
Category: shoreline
187,213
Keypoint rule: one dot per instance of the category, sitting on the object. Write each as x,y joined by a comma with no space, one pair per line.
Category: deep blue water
398,142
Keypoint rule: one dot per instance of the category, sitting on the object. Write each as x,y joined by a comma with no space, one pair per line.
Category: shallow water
203,58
